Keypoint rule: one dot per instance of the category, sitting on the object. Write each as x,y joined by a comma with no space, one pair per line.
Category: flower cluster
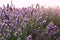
29,23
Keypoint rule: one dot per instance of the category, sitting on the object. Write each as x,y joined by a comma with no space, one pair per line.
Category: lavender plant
29,24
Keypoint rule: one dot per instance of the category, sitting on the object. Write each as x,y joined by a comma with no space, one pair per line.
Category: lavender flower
8,35
2,33
52,29
6,17
16,33
58,38
26,19
19,30
3,24
22,24
0,29
17,19
19,38
2,38
8,32
36,32
29,37
7,5
12,26
42,23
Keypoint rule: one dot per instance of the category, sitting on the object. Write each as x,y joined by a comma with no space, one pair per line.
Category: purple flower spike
29,37
52,29
2,38
58,38
8,35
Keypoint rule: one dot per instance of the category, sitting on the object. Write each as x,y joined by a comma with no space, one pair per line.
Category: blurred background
26,3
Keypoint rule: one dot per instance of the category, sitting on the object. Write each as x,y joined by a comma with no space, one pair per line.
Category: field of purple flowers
29,23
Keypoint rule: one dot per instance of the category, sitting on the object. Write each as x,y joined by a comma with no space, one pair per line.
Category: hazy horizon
26,3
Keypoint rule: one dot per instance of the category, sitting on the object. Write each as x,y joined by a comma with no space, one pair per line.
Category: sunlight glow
26,3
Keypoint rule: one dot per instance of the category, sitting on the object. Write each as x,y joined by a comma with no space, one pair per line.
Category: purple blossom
22,23
2,38
16,33
3,24
52,29
8,30
42,23
51,26
8,35
17,19
0,29
36,32
2,33
12,26
58,38
26,19
6,17
19,30
19,38
29,37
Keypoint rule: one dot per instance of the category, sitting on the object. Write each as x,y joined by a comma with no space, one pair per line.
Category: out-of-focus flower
19,38
19,30
2,38
36,32
22,23
29,37
8,35
58,38
52,29
5,21
12,26
3,24
7,5
51,25
0,29
16,33
39,18
8,32
17,20
2,33
26,19
6,17
10,8
42,23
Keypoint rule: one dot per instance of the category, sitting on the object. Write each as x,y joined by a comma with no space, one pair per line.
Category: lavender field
29,23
